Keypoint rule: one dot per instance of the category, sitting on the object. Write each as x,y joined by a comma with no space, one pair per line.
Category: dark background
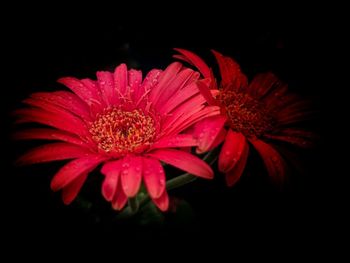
45,46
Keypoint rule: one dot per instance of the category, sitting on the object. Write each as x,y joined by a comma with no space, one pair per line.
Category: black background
44,46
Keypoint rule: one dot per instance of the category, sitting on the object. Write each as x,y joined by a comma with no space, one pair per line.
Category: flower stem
180,181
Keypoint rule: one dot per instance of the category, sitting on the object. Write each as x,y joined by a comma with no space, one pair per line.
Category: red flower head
125,123
258,113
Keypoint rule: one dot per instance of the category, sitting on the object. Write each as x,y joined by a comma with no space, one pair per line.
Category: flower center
122,131
246,114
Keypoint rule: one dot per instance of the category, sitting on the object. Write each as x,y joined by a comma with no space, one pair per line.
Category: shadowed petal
231,74
235,173
204,88
162,202
232,150
184,161
154,177
119,199
195,60
262,84
73,170
274,163
112,171
70,192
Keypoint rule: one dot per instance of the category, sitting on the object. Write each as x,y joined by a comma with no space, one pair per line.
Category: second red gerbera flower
259,113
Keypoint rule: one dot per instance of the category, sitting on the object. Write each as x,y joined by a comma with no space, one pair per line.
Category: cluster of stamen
122,131
246,114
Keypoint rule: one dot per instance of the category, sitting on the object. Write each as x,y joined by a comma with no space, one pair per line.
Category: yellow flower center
246,114
122,131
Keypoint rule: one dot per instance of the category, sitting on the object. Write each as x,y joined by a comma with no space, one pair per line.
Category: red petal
121,80
230,72
231,151
119,199
180,97
207,130
165,78
66,100
112,172
219,139
204,88
154,177
187,114
235,173
47,134
300,142
184,161
97,104
131,175
274,163
62,120
162,202
196,61
181,140
106,83
183,58
262,84
88,93
53,152
184,123
70,192
73,170
175,86
135,81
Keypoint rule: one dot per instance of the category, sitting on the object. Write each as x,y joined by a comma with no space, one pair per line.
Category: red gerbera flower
258,113
128,124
